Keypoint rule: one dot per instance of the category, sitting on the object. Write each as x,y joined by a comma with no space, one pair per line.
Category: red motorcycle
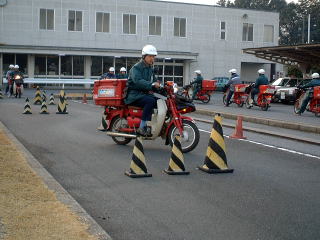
264,97
18,85
314,103
239,96
167,120
204,95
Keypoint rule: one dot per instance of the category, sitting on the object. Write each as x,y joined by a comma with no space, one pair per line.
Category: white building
82,38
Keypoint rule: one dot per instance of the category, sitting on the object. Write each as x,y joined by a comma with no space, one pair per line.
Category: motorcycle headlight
17,77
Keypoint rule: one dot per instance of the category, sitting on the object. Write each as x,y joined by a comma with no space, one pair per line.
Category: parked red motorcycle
264,97
239,96
204,95
167,120
314,103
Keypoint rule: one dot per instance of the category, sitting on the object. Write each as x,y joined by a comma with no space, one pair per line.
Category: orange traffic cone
238,131
84,99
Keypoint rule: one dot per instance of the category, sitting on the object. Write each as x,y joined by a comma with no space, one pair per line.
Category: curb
75,97
267,132
265,121
62,195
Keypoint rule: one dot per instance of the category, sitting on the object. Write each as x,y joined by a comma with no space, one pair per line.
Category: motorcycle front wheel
116,124
296,106
190,138
264,104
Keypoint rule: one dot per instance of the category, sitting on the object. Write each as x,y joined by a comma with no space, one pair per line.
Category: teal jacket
141,77
122,76
261,80
313,83
197,82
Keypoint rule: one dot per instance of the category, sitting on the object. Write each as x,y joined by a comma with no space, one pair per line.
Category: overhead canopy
304,54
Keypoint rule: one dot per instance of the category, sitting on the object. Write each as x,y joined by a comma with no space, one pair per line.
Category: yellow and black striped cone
138,163
62,108
44,96
65,97
216,159
176,163
103,126
44,109
27,108
1,96
37,99
51,100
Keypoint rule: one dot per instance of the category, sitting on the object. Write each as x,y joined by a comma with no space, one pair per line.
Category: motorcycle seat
134,107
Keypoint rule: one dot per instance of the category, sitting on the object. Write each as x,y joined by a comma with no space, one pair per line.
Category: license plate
282,95
106,92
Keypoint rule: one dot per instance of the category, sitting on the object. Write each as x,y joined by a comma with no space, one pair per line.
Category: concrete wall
20,26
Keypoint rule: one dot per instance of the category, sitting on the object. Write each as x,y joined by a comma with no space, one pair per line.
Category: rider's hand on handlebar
156,84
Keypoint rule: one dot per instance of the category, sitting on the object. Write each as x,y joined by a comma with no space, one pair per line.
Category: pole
309,28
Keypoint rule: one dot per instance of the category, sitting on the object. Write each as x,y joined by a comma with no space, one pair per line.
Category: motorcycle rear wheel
207,98
296,106
193,134
116,123
264,104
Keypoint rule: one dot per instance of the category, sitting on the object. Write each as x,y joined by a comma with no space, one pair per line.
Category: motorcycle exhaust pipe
126,135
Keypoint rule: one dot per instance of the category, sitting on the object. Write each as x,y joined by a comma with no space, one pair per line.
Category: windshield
280,82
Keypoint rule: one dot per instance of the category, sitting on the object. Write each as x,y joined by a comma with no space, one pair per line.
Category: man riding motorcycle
234,79
315,82
16,81
123,73
141,82
261,80
110,74
197,84
9,88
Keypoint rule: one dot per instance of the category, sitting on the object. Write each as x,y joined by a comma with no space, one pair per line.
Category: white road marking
270,146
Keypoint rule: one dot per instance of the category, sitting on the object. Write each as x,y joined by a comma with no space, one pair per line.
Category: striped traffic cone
51,100
84,99
1,96
216,159
37,99
103,126
44,109
176,163
62,108
44,96
27,108
138,163
65,97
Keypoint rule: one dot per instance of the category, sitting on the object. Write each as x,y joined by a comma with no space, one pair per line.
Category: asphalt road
273,193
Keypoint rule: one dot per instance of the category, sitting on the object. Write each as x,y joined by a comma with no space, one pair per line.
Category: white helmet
149,50
197,71
111,69
261,71
315,75
233,70
16,66
123,69
11,66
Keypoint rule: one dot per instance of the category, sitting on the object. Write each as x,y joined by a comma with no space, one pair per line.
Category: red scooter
239,96
264,97
167,121
314,104
203,95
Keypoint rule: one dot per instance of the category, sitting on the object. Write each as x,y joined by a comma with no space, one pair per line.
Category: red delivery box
109,92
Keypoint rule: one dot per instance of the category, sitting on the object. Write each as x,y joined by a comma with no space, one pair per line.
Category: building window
180,27
223,30
268,34
155,25
129,24
19,59
46,65
247,32
169,70
102,22
46,21
75,21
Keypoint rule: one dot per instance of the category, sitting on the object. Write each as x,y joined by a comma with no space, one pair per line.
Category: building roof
307,54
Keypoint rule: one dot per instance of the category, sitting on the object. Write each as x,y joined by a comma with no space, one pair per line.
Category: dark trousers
148,103
229,96
254,92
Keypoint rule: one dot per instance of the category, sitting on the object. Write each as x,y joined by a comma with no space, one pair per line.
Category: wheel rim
185,143
118,123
